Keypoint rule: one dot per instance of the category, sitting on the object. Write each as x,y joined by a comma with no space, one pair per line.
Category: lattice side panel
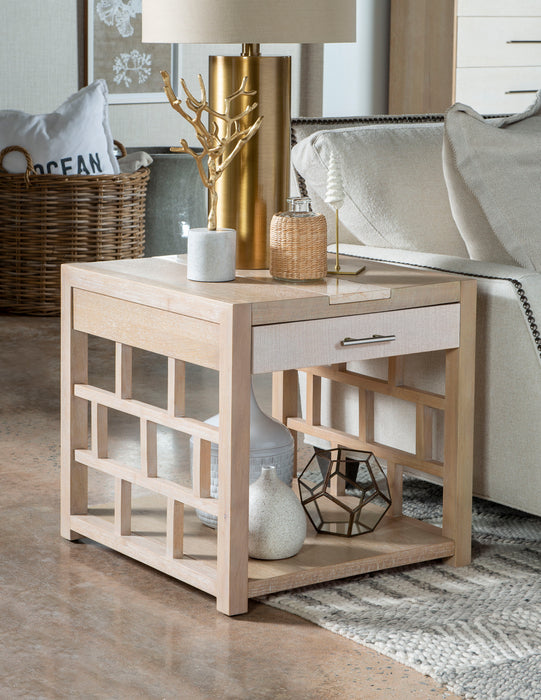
198,496
397,460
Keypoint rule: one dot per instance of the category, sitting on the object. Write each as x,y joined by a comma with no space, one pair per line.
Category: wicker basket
298,247
47,220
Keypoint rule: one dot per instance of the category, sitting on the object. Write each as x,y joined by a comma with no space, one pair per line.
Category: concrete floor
80,621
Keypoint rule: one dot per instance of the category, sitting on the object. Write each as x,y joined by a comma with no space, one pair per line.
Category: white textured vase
270,443
211,254
277,522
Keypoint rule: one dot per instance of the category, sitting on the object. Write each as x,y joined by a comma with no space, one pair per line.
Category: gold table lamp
256,185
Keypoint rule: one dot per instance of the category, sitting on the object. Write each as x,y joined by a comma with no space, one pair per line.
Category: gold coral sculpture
221,140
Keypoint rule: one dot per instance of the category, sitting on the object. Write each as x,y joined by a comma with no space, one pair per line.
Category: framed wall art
114,51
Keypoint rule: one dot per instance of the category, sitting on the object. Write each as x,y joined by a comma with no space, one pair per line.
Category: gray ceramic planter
176,201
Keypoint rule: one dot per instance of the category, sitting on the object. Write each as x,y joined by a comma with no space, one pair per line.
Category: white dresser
485,53
498,54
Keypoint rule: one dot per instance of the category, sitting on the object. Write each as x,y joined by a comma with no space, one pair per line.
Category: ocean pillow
75,139
492,170
395,194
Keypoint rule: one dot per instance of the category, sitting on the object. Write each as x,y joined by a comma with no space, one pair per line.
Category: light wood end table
248,326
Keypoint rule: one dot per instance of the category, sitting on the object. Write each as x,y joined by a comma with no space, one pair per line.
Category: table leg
458,430
233,464
74,418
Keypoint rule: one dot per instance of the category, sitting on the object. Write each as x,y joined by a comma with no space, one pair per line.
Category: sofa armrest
445,263
507,442
526,284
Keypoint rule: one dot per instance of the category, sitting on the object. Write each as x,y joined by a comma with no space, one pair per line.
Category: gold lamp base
256,183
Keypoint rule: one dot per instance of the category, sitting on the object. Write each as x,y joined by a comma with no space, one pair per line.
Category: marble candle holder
211,254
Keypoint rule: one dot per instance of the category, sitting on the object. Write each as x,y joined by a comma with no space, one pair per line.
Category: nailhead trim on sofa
322,123
516,284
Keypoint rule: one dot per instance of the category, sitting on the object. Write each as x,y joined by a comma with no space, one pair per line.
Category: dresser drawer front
498,41
499,8
498,90
311,343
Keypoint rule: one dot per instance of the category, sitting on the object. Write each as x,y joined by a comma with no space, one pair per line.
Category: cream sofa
397,209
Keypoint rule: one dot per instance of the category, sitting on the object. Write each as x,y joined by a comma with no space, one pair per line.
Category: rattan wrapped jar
298,242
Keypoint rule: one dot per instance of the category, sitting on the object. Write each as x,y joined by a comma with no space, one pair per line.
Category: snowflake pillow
75,139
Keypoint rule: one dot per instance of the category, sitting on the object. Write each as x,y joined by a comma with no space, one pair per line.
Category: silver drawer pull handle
520,92
365,341
524,41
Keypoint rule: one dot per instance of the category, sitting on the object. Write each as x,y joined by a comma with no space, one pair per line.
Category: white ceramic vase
277,522
270,443
211,254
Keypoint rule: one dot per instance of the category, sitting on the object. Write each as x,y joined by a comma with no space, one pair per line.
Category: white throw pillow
493,174
394,186
75,139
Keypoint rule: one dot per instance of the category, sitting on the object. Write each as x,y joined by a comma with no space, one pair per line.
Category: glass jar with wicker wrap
298,242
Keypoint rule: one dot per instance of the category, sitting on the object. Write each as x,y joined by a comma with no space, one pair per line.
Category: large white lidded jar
270,443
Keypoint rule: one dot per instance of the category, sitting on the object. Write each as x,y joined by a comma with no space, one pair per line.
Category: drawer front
498,41
497,90
140,326
499,8
310,343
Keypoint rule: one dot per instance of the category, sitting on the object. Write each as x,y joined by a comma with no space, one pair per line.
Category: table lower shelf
397,541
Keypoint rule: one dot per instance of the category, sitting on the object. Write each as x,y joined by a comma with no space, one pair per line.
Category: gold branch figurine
224,130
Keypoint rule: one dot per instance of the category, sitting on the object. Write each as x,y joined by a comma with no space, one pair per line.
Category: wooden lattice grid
150,416
426,404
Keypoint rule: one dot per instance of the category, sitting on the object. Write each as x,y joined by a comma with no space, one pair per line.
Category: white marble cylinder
211,254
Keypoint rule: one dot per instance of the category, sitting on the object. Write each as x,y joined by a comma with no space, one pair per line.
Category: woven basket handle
29,164
121,148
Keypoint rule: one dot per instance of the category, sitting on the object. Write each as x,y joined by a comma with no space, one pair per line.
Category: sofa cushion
75,139
395,194
493,173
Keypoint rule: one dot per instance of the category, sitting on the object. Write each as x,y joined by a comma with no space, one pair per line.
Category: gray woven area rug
476,630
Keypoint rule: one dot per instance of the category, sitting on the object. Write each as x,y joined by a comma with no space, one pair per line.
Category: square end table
254,325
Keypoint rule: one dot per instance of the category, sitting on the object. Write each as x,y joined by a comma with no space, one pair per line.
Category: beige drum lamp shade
256,184
248,21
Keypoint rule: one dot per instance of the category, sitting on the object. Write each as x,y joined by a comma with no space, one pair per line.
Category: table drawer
498,90
498,41
309,343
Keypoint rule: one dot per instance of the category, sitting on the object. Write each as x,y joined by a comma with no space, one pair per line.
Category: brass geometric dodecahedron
344,492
